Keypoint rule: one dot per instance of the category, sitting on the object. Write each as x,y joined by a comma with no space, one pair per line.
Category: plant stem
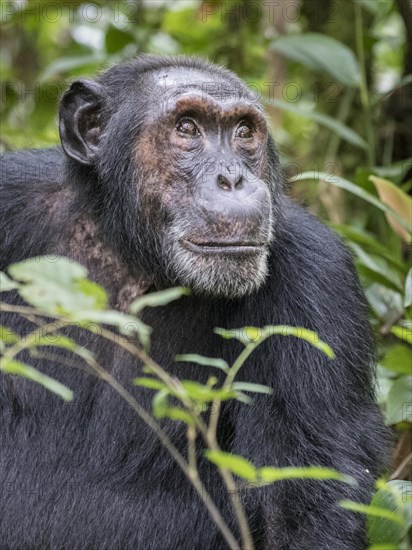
187,467
364,84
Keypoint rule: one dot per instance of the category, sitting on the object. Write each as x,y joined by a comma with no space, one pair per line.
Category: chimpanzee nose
229,180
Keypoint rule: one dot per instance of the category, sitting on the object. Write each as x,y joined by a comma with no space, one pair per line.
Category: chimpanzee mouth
225,247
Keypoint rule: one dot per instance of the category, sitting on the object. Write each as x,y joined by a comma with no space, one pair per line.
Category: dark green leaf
332,124
399,399
321,52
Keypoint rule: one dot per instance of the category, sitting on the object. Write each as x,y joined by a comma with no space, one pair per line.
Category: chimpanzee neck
105,266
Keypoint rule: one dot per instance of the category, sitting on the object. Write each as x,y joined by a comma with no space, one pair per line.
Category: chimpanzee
167,176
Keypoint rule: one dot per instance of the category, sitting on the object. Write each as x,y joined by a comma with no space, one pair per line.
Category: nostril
223,183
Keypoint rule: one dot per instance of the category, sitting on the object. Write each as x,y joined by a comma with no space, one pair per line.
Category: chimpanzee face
200,175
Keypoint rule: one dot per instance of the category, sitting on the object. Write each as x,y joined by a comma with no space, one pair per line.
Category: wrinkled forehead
168,84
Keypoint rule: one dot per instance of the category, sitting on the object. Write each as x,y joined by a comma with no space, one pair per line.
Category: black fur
89,474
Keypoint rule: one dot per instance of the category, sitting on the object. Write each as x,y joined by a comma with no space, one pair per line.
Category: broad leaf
398,359
347,185
399,399
321,52
329,122
57,285
6,283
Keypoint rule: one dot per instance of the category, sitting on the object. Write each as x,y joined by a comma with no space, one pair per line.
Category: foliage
331,75
59,290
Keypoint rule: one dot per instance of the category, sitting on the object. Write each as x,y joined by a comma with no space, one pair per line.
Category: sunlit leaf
57,284
8,336
269,474
204,394
174,413
6,283
151,383
398,359
160,403
403,332
236,464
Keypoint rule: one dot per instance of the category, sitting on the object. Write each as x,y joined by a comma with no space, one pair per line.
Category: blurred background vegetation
336,78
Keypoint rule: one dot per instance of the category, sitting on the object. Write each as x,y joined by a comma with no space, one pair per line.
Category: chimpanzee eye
244,131
187,127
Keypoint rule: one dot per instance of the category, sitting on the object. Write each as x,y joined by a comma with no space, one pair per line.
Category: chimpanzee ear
80,120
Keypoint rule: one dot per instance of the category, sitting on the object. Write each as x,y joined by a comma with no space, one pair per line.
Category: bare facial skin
210,200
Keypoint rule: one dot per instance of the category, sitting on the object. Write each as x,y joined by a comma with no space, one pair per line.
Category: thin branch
189,469
401,467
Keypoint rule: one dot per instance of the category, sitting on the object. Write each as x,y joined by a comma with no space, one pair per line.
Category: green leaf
403,332
125,324
329,122
408,290
205,361
321,52
12,366
363,238
374,511
398,201
151,383
376,275
156,299
399,399
8,336
255,388
269,474
57,285
204,394
398,358
255,335
388,514
246,335
174,413
6,283
117,39
236,464
160,403
69,64
347,185
304,334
